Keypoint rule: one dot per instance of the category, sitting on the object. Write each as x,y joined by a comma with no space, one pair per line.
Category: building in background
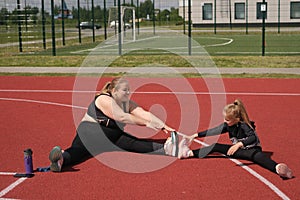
241,12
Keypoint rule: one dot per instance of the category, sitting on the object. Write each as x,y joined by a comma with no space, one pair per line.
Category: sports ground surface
42,112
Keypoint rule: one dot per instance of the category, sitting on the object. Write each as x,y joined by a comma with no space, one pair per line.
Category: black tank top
101,118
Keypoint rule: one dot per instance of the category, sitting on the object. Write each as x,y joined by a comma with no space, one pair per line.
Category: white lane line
48,91
252,172
225,93
262,179
256,52
105,46
151,92
12,186
7,173
42,102
230,40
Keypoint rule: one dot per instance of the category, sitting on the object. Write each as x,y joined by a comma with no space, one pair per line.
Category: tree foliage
33,13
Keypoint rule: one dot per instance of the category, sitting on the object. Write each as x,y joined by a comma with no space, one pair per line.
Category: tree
174,15
98,13
3,16
146,8
164,15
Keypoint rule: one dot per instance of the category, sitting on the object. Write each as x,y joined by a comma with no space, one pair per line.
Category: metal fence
40,25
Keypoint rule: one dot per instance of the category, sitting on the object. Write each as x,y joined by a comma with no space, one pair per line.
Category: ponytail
238,110
109,86
106,88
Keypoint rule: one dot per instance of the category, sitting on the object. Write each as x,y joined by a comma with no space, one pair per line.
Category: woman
245,142
102,129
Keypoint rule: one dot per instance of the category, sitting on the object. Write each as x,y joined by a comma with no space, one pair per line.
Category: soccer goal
127,21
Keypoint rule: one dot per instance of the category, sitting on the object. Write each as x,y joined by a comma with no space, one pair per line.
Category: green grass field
251,44
227,49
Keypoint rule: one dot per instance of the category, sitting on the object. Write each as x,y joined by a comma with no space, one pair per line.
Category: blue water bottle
28,161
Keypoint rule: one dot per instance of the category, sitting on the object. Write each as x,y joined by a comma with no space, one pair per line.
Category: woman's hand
234,148
192,137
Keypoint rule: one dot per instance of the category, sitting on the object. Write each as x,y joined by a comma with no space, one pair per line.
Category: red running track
37,112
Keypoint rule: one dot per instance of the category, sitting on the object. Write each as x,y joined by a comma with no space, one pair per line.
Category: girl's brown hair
237,110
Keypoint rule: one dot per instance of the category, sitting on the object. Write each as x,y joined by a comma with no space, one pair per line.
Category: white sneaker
168,146
56,159
284,171
171,145
184,150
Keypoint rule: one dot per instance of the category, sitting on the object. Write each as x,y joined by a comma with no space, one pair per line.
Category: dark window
295,10
207,11
239,11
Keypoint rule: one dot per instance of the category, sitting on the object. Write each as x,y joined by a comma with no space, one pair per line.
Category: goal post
113,21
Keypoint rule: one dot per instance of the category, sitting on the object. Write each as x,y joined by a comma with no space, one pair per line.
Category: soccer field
251,44
222,43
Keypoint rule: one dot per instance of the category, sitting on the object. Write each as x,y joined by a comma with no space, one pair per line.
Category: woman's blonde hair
113,84
237,110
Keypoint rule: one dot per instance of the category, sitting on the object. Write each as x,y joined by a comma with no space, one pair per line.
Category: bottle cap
28,152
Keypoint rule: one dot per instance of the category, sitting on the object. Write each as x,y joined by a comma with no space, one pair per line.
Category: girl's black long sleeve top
240,132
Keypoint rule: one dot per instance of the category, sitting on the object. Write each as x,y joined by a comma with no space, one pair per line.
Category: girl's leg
219,148
254,154
257,156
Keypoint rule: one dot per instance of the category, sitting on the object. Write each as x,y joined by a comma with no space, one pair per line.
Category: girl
245,143
102,129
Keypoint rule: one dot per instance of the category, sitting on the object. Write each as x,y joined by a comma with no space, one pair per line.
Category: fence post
247,7
119,27
230,15
215,16
183,16
93,22
105,24
263,9
190,27
53,29
138,15
19,26
43,24
278,16
153,17
63,22
78,20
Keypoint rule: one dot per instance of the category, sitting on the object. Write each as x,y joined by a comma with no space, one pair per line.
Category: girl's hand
234,148
167,129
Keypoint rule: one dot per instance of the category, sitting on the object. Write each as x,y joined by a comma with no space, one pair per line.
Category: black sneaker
56,159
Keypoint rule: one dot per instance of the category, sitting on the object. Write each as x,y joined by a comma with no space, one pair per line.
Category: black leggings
254,154
92,139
